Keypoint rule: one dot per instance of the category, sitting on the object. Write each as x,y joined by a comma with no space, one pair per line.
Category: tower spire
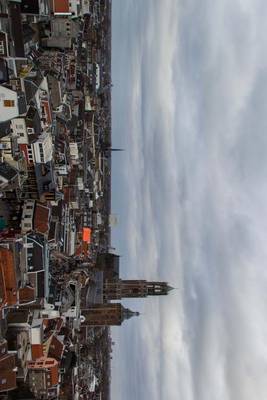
127,313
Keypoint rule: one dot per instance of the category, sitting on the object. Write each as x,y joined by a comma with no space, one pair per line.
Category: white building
12,104
43,148
75,7
74,152
19,129
6,149
27,216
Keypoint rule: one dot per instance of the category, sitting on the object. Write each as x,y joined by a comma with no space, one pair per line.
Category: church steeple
127,313
118,289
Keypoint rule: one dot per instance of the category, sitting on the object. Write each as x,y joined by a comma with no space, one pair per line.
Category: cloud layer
190,107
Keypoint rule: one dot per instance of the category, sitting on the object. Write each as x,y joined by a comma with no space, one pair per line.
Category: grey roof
33,120
54,90
4,76
45,177
16,28
36,254
31,85
30,7
41,284
28,32
4,128
22,105
7,172
95,290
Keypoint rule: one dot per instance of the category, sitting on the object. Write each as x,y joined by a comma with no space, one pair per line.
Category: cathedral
107,313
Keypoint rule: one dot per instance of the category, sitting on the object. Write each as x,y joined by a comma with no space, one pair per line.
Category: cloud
189,105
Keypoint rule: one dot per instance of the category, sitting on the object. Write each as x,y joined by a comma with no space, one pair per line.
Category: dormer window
9,103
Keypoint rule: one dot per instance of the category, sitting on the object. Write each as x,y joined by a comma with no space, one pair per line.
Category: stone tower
114,289
106,314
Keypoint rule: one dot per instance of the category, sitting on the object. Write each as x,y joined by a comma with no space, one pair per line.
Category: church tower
118,289
109,314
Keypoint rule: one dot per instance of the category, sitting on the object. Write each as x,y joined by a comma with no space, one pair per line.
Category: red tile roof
41,219
26,294
8,283
56,348
37,351
61,6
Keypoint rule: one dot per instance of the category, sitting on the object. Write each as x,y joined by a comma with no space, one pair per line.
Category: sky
189,106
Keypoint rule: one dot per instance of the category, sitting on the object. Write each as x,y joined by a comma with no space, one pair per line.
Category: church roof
127,313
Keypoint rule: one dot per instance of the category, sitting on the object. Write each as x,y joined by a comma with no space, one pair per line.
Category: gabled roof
36,262
45,177
31,85
26,294
22,105
7,172
33,121
41,219
7,372
4,75
4,128
37,351
18,316
16,28
8,289
56,348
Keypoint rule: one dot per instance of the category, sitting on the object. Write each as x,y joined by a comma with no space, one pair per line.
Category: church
107,313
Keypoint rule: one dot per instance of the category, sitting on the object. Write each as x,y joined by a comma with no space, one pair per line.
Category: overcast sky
190,108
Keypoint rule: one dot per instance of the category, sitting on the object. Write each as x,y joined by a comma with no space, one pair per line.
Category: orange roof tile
8,281
41,218
87,235
37,351
61,6
26,294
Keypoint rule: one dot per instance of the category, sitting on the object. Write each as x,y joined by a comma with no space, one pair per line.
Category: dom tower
113,288
119,289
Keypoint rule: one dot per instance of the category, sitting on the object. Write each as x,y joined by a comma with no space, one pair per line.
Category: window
3,381
2,47
49,362
27,216
27,225
19,126
9,103
21,134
